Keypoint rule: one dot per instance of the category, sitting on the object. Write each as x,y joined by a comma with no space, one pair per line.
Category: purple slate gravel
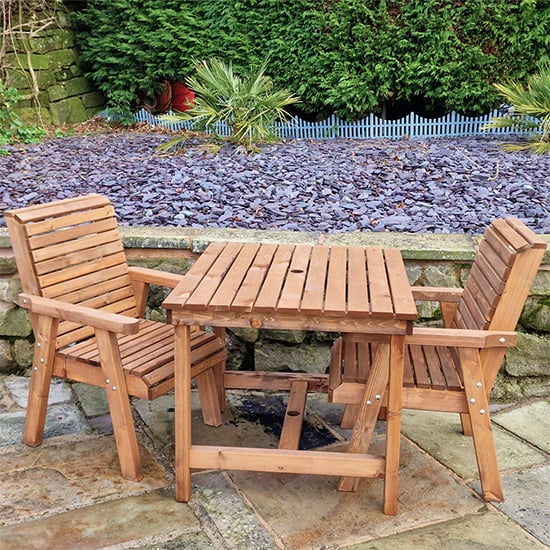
419,185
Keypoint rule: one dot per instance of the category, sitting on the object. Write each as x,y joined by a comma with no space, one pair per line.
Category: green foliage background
350,57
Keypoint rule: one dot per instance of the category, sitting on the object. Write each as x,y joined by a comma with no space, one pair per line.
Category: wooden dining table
343,289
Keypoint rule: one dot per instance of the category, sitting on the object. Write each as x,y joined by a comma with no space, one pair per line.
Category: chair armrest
104,320
437,294
154,277
461,338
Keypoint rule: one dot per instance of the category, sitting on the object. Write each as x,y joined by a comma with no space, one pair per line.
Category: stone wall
431,260
47,62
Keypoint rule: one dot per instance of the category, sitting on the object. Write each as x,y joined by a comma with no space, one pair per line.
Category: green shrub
249,105
12,128
529,102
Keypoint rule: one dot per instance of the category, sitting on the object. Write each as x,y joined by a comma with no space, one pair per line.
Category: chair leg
368,410
482,433
466,424
37,405
119,405
209,398
349,416
219,370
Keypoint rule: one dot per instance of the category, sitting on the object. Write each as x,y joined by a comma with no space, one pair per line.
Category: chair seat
425,368
147,359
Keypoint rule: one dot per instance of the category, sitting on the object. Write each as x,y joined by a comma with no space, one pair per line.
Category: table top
340,288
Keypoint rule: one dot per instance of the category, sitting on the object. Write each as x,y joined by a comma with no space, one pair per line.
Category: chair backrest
501,276
70,250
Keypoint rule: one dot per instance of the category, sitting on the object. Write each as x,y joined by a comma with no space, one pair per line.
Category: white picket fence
413,125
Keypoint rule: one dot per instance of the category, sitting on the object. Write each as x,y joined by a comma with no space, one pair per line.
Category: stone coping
413,246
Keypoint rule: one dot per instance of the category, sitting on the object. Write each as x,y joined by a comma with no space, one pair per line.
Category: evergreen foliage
350,57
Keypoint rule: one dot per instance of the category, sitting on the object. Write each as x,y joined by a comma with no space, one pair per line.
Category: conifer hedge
350,57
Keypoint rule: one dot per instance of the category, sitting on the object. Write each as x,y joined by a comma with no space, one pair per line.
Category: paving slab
61,419
307,512
439,434
18,386
527,500
148,518
67,472
486,531
239,528
92,399
530,422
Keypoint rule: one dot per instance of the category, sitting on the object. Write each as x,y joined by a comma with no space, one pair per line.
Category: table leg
368,410
182,407
393,427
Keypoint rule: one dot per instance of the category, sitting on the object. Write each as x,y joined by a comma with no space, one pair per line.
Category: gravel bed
414,185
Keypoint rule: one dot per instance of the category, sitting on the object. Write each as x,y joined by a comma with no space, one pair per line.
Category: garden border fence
412,125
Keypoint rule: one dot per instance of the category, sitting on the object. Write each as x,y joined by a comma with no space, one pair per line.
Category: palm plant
530,110
248,105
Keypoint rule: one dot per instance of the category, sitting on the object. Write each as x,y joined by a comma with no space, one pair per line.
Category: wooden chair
453,369
86,307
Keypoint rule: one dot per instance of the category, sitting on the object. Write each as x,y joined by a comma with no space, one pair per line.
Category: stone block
23,352
93,99
6,355
275,356
61,58
14,321
541,284
10,287
250,335
78,86
536,314
441,274
58,40
530,357
286,336
37,61
68,111
7,264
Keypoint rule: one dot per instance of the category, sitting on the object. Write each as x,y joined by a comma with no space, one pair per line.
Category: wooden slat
434,367
404,305
294,416
452,380
68,232
80,261
379,291
100,288
90,245
420,367
314,291
178,297
250,287
358,299
36,212
532,238
231,283
291,295
201,296
336,284
268,296
75,287
74,278
507,233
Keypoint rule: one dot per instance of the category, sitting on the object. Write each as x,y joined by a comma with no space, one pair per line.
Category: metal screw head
107,381
502,340
472,400
481,411
114,388
479,384
369,402
38,344
42,359
377,396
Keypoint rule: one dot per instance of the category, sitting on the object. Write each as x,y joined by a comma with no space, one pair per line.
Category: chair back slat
70,250
501,276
